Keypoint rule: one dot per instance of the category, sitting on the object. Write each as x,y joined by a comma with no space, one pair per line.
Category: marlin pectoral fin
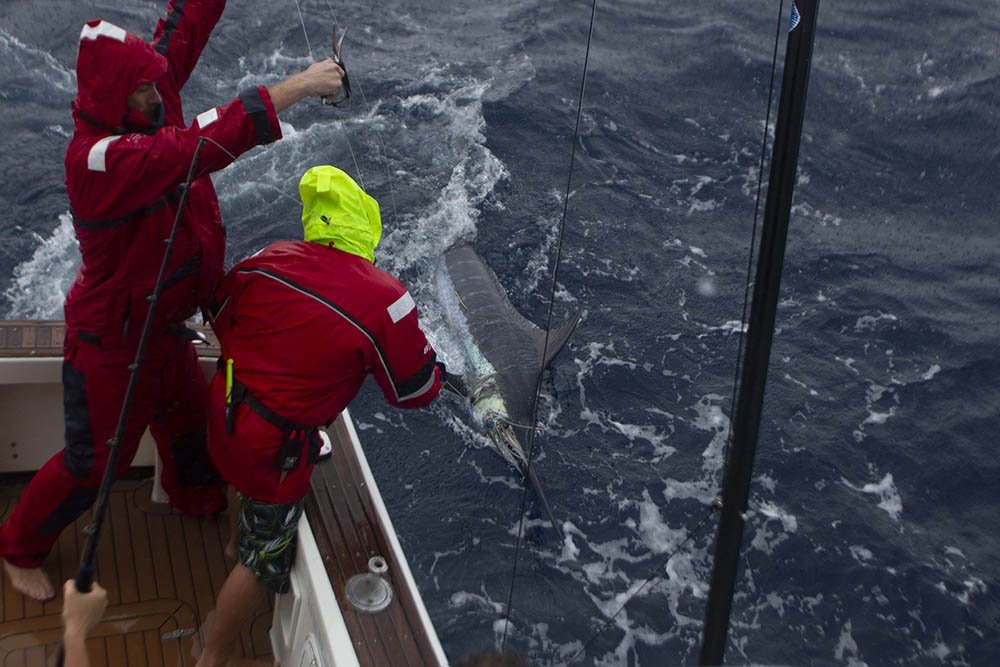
547,350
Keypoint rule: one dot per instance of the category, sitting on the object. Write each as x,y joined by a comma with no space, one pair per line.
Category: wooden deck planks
43,338
176,558
139,611
343,514
395,625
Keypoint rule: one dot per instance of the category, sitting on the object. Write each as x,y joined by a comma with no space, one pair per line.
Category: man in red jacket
301,325
125,170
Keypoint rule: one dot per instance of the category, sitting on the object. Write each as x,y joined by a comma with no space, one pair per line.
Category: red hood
110,65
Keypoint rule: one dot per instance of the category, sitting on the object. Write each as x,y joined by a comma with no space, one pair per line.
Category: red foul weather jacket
124,176
304,325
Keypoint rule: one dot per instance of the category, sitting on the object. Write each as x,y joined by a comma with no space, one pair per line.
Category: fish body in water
505,354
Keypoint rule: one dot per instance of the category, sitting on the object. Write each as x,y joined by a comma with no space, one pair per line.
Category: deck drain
370,592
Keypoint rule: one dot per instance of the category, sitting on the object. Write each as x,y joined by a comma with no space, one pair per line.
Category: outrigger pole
753,378
85,575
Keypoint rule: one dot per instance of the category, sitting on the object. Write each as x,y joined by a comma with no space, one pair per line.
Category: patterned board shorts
267,540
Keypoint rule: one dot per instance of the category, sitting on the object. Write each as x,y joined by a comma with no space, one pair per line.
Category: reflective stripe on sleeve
420,383
254,105
206,118
102,29
95,159
401,307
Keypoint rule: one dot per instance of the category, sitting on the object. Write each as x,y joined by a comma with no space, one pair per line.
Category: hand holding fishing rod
81,612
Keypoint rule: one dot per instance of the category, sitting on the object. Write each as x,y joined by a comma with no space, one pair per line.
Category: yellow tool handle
229,381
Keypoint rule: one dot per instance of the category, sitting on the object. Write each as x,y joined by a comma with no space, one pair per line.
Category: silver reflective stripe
401,308
95,159
420,392
206,118
102,29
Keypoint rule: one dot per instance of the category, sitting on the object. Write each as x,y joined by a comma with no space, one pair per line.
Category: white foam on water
877,395
46,74
809,213
861,553
39,284
931,372
872,322
954,551
729,327
812,392
454,122
482,601
776,526
887,493
846,650
600,355
710,417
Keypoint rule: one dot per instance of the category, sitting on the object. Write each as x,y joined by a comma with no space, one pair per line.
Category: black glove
453,383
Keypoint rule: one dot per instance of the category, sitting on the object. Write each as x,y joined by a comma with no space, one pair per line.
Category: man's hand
322,79
82,611
453,383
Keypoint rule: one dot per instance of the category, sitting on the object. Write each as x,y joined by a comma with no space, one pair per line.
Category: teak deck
163,570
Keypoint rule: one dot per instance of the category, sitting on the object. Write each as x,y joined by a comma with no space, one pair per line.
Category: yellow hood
336,212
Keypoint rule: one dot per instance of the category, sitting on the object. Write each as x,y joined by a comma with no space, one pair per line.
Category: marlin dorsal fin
557,339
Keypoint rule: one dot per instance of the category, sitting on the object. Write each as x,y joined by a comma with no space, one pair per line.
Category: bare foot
32,581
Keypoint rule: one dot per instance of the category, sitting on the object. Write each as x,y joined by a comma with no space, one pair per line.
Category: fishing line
716,506
302,22
548,325
369,109
278,191
510,422
347,136
378,134
753,237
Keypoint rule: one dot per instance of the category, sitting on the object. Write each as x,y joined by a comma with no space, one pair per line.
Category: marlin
505,355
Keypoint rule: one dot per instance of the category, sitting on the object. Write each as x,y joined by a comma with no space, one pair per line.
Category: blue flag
794,21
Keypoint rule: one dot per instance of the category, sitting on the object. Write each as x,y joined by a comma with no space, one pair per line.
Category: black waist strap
297,435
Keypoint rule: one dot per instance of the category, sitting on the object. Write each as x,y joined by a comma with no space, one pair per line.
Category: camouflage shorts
267,540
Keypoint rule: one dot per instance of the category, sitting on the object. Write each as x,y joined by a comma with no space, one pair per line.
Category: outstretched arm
322,79
182,34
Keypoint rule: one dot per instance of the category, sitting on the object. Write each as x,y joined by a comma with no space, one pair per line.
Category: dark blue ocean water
872,537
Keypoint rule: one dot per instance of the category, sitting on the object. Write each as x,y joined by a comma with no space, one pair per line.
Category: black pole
85,575
753,378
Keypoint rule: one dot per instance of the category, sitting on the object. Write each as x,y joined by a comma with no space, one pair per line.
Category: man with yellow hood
301,324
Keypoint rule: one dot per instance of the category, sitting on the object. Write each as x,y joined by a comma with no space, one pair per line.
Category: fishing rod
85,575
760,329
